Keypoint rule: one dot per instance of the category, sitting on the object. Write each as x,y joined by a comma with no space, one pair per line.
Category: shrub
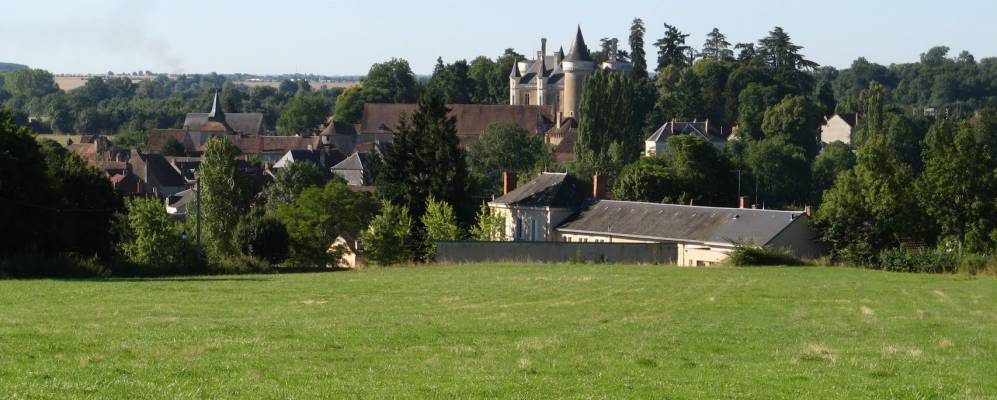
69,265
389,240
239,264
263,237
925,261
156,245
755,255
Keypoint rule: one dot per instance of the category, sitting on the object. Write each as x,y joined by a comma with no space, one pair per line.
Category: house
98,151
657,143
704,235
157,175
533,210
353,169
558,207
323,158
250,124
839,128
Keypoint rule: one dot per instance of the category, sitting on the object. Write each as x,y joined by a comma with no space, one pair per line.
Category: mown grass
505,331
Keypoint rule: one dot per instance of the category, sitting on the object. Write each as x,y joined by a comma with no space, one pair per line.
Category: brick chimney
599,185
508,182
808,211
744,202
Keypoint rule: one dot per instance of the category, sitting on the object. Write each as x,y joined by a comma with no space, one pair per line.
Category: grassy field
505,331
58,137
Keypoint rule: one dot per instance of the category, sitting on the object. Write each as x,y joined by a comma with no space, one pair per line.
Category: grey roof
296,155
352,168
579,51
247,123
679,223
515,70
701,129
557,190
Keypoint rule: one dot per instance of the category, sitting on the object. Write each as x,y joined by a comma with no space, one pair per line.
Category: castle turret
542,73
576,65
514,78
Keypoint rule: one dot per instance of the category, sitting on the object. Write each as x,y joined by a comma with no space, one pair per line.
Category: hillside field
506,331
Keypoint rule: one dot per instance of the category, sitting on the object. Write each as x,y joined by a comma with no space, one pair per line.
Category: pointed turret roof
579,51
515,70
216,113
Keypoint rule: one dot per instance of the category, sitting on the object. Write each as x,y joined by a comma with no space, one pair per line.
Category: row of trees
118,105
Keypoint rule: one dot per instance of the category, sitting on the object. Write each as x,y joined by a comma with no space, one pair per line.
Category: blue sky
339,37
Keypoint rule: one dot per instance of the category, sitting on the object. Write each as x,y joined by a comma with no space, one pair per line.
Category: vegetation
389,240
320,215
506,147
749,255
441,225
505,331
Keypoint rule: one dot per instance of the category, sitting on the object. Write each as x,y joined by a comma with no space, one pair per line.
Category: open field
58,137
505,331
70,82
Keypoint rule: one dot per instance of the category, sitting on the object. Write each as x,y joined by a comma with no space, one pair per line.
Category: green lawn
58,137
505,331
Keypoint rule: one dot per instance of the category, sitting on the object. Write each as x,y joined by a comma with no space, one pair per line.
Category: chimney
744,202
706,126
559,117
508,182
598,185
808,211
673,126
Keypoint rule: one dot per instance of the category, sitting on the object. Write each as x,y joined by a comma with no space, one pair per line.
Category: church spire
515,70
216,113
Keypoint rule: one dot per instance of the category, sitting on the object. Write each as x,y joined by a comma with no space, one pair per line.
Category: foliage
647,180
795,120
25,188
156,244
870,208
289,182
349,105
506,147
489,225
453,81
834,159
959,183
780,170
672,49
612,112
389,238
219,186
424,160
717,47
752,103
901,259
637,53
320,215
690,171
303,115
441,225
390,82
752,255
262,236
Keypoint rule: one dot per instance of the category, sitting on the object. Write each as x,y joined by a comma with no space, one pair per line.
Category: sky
344,37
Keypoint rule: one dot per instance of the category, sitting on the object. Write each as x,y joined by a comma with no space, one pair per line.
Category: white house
839,128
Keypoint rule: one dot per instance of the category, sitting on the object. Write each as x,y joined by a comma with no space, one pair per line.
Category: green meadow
504,331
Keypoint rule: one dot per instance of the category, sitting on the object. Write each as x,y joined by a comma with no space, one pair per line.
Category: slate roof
579,51
555,190
352,168
679,223
472,119
334,128
245,123
701,129
850,119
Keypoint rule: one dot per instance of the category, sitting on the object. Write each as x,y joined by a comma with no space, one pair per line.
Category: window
526,99
519,228
533,229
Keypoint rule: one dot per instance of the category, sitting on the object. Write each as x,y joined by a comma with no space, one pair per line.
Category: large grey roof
558,190
352,168
671,222
247,123
701,129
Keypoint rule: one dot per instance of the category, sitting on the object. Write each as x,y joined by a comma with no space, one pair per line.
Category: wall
836,130
799,239
555,252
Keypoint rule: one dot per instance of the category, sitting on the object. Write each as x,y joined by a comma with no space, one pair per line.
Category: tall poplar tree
637,54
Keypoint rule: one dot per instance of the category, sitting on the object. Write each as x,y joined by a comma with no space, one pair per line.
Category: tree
389,239
958,186
834,159
485,78
506,147
717,47
89,203
304,115
26,192
30,83
780,169
174,148
672,49
156,243
779,52
612,113
453,81
489,225
320,215
870,208
219,188
349,105
390,82
746,52
424,160
637,53
796,120
289,182
646,180
262,236
441,225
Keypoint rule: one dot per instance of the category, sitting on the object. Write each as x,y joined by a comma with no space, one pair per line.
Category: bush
156,245
239,264
755,255
923,261
262,237
68,265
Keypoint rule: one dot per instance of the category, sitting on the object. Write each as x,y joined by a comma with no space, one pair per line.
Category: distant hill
7,67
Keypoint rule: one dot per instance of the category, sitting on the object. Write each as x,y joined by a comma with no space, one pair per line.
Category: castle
557,80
